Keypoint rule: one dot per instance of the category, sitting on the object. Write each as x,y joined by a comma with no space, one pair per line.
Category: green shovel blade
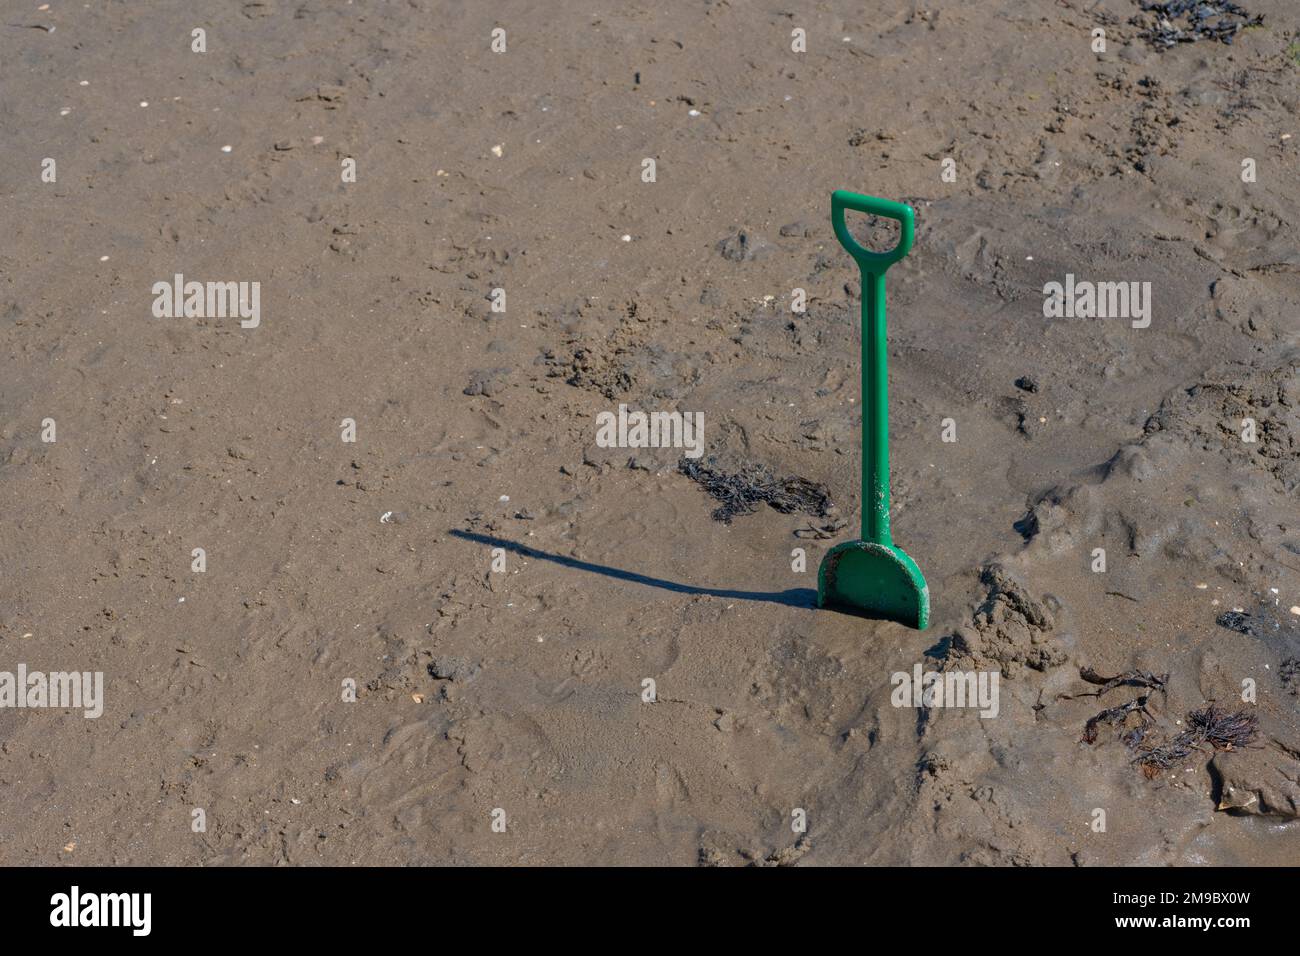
878,579
872,575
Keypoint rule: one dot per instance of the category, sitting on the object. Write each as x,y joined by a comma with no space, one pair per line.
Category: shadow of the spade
792,597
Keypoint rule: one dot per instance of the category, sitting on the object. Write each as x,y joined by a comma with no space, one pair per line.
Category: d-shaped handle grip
868,261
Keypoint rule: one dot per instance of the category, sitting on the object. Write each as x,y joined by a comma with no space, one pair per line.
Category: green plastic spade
872,575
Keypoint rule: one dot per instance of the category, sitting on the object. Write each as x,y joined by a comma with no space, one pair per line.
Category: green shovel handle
875,374
870,262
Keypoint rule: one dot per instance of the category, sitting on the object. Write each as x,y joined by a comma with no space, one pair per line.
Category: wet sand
371,562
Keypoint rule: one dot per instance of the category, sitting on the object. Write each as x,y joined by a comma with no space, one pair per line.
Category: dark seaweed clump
1221,729
1252,625
742,492
1119,715
1186,21
1211,725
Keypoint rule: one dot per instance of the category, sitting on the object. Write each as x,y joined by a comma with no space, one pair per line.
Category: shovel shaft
875,372
875,412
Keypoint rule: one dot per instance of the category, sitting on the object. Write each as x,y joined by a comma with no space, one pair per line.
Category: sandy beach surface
474,634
